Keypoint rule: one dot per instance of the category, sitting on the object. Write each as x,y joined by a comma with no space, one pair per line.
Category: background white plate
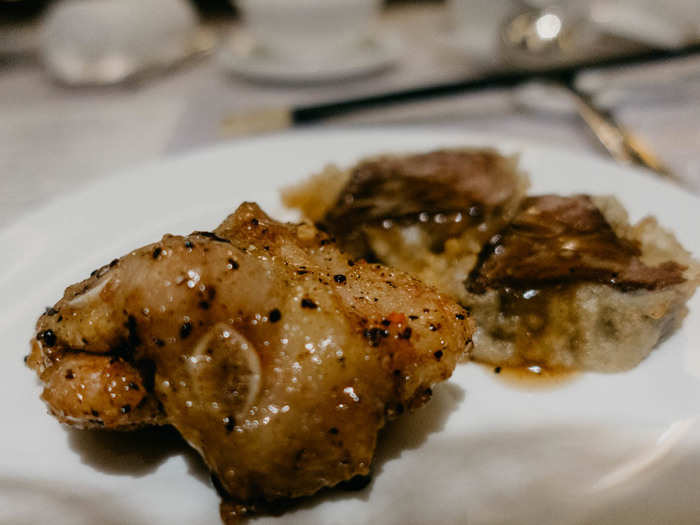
243,56
619,448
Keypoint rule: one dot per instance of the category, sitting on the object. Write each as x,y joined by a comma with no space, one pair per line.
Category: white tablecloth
54,139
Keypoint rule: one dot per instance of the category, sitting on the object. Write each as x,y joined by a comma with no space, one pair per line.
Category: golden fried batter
275,356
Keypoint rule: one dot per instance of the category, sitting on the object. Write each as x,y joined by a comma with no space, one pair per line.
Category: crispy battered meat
570,284
428,214
273,355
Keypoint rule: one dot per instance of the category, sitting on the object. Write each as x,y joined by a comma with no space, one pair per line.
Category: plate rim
469,138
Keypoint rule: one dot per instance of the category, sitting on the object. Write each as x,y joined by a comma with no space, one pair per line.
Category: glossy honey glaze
444,192
556,240
533,377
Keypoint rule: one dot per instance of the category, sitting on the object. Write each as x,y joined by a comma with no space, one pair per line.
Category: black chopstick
566,74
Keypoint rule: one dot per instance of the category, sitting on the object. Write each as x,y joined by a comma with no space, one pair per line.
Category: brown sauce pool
531,377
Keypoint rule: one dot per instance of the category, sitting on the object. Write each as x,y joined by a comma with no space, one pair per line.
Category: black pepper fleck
69,374
497,370
460,317
374,335
413,317
254,221
126,409
432,327
274,315
333,430
340,278
229,423
157,251
189,245
438,355
204,305
308,303
406,334
95,413
234,264
48,337
386,322
159,342
185,329
133,386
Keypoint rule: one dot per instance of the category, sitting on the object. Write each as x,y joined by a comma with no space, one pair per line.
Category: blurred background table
54,139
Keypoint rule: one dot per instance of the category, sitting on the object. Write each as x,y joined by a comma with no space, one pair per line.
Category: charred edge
355,483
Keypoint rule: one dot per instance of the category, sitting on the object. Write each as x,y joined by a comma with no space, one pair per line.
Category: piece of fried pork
571,284
274,356
428,213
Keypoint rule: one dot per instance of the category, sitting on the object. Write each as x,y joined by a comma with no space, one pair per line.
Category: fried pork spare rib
275,357
427,213
570,283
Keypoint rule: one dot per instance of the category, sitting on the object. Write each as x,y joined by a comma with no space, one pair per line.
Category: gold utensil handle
622,145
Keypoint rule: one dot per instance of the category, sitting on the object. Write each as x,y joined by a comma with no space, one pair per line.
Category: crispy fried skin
273,355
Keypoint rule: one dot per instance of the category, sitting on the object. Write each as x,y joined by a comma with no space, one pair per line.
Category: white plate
243,56
618,448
